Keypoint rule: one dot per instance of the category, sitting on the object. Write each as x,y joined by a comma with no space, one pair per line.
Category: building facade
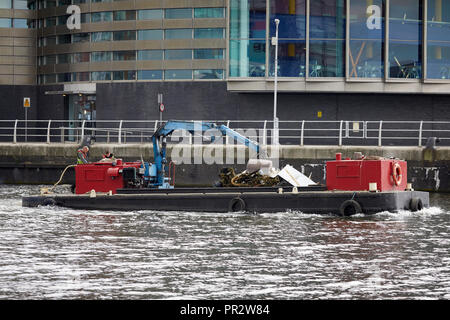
214,59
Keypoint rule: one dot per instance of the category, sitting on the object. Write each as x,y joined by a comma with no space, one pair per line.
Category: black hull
228,200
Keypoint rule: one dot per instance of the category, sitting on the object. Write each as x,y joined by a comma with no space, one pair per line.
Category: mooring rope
47,190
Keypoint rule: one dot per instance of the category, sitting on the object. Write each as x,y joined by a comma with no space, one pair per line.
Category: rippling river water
59,253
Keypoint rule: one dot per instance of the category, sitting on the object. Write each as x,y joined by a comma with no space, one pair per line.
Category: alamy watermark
74,20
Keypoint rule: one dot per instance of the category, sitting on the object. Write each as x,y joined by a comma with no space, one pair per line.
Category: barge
359,185
252,200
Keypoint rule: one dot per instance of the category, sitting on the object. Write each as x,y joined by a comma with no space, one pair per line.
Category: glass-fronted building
216,57
340,45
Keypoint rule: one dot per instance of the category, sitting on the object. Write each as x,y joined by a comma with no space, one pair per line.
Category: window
208,54
5,23
405,39
366,55
101,16
208,33
64,77
124,75
327,38
80,37
247,38
292,38
150,35
178,33
64,38
81,57
124,15
101,36
5,4
100,75
150,55
101,56
64,58
21,23
208,74
80,76
150,74
438,40
150,14
124,55
124,35
185,13
209,13
20,4
177,74
50,22
178,54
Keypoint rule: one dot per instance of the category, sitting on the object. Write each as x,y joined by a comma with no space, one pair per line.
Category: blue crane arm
193,127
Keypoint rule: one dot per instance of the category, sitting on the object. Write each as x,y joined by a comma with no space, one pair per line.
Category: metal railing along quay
302,132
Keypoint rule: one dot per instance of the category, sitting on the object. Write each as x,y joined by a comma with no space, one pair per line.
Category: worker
82,155
108,155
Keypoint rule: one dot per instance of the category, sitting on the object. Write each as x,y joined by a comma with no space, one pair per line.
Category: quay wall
41,163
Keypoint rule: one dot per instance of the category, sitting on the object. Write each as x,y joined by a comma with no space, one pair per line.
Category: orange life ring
397,173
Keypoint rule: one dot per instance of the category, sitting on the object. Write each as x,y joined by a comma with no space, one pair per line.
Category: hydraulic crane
166,129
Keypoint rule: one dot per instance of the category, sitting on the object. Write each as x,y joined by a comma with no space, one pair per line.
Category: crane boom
193,127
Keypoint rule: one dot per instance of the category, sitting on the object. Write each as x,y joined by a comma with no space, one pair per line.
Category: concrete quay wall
41,163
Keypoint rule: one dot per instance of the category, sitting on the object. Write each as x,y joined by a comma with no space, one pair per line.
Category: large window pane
124,35
178,54
291,35
124,55
150,74
101,36
150,55
247,19
101,16
124,75
247,38
178,33
208,53
247,58
208,33
185,13
5,23
327,38
177,74
438,46
367,29
124,15
208,12
100,76
5,4
150,35
80,37
208,74
405,39
150,14
101,56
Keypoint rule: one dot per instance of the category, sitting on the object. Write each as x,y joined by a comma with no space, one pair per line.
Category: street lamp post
275,136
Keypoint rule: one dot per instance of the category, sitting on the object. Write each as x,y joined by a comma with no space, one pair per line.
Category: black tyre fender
49,202
72,188
236,204
415,204
350,207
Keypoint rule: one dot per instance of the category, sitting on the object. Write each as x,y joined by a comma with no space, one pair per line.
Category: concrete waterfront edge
41,163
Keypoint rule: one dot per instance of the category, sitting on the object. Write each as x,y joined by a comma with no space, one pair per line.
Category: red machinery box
388,174
101,176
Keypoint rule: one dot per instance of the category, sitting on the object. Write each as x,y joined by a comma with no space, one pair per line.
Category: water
58,253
